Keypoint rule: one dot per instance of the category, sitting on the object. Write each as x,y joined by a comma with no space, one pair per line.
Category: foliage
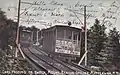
103,50
110,55
7,31
96,42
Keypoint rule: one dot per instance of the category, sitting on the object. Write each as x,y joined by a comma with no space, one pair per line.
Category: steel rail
44,61
68,65
62,61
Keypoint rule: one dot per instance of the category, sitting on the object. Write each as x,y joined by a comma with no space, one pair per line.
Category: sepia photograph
59,37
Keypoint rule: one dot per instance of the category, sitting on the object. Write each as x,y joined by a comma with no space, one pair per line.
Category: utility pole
85,35
18,34
18,19
37,43
32,36
85,30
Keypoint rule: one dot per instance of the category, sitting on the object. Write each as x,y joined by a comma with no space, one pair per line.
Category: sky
46,13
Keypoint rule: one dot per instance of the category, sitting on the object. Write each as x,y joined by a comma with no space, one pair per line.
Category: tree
110,55
7,33
96,42
8,29
7,37
3,28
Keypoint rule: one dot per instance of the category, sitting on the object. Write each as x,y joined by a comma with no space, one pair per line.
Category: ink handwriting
82,5
53,2
50,9
42,9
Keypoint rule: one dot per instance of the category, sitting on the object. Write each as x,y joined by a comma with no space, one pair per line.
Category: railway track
71,65
56,64
33,63
48,64
78,66
40,63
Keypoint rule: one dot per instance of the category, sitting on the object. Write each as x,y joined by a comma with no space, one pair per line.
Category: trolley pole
85,35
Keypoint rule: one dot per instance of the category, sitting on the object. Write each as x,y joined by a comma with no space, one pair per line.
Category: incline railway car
25,35
25,38
63,41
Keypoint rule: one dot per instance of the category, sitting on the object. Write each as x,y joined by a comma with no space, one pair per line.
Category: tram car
25,35
62,41
25,38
